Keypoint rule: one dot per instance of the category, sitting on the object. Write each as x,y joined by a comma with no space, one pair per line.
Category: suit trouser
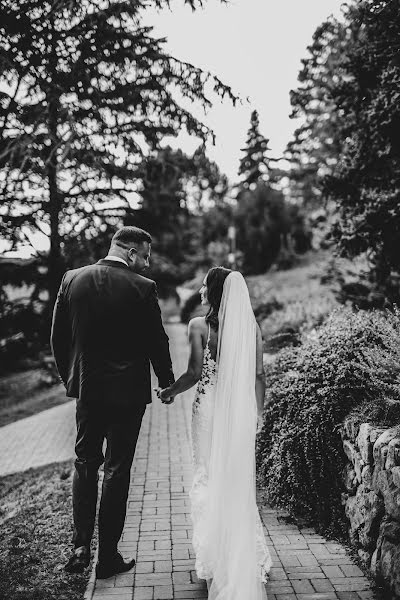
120,426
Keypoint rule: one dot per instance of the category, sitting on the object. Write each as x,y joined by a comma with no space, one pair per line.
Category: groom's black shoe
105,569
78,561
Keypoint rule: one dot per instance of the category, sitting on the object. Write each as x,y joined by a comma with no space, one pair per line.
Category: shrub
284,327
22,332
351,360
264,310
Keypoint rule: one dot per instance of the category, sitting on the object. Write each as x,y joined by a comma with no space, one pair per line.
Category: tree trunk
55,201
54,262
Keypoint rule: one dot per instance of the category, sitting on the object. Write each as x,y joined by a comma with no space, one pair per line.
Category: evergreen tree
174,190
263,224
366,181
86,89
316,144
255,164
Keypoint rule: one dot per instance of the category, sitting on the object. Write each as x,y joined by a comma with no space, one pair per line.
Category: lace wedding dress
203,410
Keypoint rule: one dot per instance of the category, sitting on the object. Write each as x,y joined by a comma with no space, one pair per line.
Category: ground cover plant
24,394
287,303
35,535
349,364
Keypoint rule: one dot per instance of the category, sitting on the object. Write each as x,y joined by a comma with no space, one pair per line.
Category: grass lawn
301,283
21,395
35,535
294,300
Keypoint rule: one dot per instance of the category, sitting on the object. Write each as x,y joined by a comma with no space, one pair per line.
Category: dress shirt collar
117,259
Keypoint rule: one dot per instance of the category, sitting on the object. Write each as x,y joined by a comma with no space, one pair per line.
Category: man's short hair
128,235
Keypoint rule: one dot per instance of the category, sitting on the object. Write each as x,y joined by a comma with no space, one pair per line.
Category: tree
316,144
263,224
174,190
255,164
86,90
366,181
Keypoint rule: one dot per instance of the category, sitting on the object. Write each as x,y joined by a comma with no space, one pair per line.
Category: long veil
231,514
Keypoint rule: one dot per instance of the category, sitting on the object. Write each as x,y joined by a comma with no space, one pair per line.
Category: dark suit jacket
106,328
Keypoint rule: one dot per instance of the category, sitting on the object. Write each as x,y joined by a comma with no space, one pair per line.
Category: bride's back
213,341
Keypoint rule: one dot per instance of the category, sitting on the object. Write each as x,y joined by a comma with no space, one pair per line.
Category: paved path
158,527
46,437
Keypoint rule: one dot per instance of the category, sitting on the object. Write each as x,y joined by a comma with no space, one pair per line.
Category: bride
226,361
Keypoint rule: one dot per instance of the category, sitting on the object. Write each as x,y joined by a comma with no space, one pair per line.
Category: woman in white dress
226,363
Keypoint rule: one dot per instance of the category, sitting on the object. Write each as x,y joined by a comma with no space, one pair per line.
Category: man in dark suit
106,330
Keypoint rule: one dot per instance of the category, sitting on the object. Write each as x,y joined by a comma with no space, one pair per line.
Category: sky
256,47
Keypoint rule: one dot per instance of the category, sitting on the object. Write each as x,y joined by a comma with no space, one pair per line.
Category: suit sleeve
158,341
60,335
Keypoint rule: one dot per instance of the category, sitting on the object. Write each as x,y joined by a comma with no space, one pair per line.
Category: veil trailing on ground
232,515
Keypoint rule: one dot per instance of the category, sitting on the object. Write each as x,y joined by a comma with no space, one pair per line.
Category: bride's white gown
202,424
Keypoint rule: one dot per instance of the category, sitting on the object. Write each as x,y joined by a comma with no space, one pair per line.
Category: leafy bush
351,360
22,332
300,284
264,310
284,327
352,282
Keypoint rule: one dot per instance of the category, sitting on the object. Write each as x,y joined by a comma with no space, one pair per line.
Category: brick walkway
158,527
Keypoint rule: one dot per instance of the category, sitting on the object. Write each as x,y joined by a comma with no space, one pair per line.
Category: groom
106,330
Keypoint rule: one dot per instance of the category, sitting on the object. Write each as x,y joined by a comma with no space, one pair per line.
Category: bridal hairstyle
215,285
128,235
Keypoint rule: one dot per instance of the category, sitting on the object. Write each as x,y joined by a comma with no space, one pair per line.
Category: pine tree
316,144
366,181
174,189
86,90
254,165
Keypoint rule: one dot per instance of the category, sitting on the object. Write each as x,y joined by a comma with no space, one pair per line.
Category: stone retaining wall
372,499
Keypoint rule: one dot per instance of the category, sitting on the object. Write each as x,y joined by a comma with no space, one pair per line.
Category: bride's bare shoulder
197,324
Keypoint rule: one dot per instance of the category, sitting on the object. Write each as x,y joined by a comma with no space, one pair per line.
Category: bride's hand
165,396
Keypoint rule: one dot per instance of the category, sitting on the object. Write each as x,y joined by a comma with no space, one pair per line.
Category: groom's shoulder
145,282
71,273
142,283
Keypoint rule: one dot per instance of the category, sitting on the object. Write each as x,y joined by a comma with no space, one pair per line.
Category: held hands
164,396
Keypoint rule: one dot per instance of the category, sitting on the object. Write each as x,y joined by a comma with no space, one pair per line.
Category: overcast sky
256,47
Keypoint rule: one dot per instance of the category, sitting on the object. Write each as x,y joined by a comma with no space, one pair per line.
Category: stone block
393,455
350,429
349,449
390,566
375,433
381,445
396,476
349,478
354,457
364,443
366,476
390,530
390,493
364,511
365,557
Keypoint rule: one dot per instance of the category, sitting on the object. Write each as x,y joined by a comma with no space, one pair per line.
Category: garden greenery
349,364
